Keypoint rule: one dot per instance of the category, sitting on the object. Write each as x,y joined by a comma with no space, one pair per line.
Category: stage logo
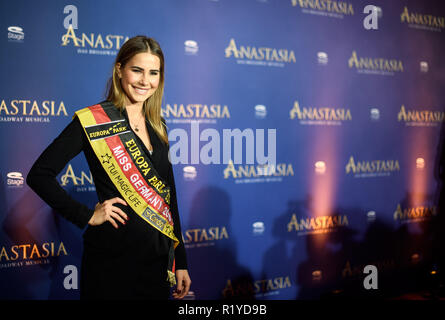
191,47
420,118
370,169
20,110
422,21
320,167
414,214
326,8
371,216
420,163
257,288
92,43
260,111
258,228
375,66
424,66
29,254
204,237
316,225
15,180
317,276
374,114
322,58
203,113
189,173
319,116
82,182
258,173
262,56
16,34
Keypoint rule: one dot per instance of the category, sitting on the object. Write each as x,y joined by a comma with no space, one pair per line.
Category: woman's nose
144,80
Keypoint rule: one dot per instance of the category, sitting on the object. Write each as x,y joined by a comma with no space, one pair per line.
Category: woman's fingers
183,284
120,212
118,200
111,213
115,209
186,288
117,217
111,220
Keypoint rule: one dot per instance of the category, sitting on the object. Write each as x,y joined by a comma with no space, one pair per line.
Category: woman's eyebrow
142,69
139,68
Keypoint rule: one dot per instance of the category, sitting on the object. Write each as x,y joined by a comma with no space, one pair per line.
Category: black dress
125,263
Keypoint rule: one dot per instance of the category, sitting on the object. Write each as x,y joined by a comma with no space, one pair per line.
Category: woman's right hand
105,211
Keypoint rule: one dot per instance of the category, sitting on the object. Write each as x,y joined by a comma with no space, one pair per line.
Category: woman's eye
154,73
136,70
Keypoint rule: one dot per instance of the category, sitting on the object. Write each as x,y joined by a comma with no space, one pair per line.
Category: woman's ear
118,70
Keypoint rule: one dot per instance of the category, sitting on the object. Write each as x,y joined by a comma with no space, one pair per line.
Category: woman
133,245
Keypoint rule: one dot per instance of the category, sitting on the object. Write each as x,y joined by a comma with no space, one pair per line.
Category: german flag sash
130,169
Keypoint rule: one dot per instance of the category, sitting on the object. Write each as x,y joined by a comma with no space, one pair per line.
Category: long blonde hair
151,106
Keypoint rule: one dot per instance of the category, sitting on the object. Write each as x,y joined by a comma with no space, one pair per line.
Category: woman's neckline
150,152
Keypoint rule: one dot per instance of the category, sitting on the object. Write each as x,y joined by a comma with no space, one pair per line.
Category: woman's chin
136,100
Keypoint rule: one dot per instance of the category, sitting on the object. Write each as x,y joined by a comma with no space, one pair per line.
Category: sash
130,169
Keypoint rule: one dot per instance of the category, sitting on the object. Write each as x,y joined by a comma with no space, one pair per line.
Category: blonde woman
133,247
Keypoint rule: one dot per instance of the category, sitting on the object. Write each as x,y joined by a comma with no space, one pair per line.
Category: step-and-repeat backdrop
305,136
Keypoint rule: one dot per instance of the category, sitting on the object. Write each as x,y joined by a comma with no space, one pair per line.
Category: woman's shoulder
100,105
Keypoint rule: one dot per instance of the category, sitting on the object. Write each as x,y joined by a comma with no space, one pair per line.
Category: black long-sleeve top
136,241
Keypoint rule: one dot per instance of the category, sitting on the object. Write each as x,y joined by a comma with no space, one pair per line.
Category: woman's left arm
182,276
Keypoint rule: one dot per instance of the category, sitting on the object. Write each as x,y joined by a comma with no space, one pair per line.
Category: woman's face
140,76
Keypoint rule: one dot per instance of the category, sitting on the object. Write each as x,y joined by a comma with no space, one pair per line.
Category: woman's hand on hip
105,211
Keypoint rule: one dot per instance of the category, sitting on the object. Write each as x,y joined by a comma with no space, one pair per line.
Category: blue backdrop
357,114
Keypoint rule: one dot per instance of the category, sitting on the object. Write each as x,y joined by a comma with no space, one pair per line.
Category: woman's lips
140,90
